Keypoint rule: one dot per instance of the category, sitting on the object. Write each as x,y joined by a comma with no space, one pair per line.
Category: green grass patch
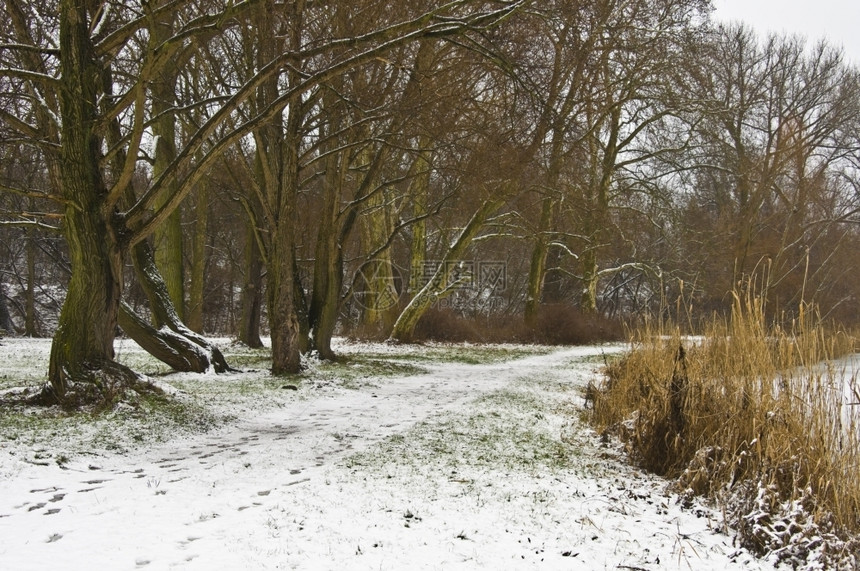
206,400
457,353
509,432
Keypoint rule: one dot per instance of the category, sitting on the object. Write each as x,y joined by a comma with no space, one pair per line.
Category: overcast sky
836,20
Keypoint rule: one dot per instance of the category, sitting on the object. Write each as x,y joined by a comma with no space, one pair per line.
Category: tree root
94,387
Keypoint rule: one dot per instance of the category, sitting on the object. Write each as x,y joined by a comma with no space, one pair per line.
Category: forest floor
399,457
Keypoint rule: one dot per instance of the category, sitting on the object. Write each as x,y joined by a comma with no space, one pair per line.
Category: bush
555,325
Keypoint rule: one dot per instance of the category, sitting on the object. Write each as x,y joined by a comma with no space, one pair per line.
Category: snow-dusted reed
761,419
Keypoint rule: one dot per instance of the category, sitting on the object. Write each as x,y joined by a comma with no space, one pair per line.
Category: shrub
555,325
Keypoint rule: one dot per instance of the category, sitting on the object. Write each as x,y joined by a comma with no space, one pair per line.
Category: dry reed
759,418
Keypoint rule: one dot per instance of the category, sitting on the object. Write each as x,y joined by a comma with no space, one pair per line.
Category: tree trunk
537,268
437,287
198,261
588,300
328,282
168,240
169,260
81,363
328,263
283,320
175,350
378,295
164,317
6,326
596,224
419,190
30,329
281,263
301,307
252,291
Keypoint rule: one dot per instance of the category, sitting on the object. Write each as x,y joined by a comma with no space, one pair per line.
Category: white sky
836,20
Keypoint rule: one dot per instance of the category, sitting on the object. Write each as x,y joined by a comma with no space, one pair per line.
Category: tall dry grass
758,417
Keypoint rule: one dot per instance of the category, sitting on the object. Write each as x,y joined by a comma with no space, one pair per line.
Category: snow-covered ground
485,466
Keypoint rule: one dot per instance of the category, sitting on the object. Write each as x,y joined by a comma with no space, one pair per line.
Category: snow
464,466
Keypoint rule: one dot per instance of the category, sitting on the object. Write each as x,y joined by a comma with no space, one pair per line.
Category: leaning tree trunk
165,345
189,351
438,286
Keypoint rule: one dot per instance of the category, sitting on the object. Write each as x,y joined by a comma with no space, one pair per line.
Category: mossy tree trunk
82,354
438,286
379,295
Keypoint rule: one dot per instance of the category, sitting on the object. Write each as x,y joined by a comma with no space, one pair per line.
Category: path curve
186,503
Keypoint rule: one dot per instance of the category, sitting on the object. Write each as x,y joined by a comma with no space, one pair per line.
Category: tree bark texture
82,350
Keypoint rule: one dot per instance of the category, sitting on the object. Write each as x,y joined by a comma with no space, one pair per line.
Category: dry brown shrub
555,325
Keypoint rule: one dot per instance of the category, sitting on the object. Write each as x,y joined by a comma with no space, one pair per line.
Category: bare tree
774,154
102,71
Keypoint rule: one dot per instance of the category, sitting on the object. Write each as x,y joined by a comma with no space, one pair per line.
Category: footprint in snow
50,489
188,541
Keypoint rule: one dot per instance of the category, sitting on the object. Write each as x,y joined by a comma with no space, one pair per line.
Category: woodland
507,169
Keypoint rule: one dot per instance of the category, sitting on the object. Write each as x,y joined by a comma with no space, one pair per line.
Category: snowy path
282,490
